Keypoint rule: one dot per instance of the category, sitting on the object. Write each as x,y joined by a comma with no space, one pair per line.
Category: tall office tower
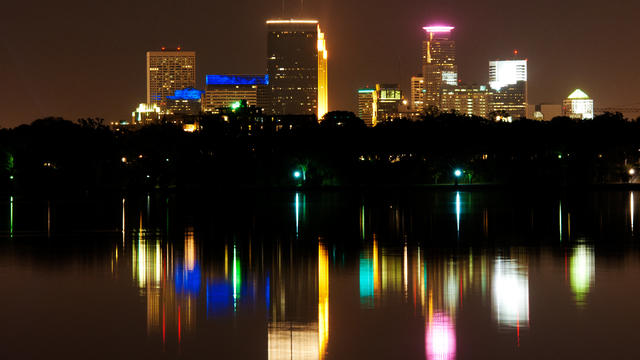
224,90
366,106
578,105
438,63
510,101
417,93
387,101
168,71
466,99
508,78
297,67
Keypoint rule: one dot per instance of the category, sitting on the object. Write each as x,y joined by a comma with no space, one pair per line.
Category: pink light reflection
440,338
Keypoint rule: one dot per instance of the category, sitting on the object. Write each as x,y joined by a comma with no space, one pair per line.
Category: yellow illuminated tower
323,94
297,67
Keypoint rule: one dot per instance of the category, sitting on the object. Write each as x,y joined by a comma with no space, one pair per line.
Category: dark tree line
53,154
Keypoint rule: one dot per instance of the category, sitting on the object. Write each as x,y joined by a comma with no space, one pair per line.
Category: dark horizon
74,59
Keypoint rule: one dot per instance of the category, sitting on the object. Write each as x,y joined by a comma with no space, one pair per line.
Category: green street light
457,173
297,174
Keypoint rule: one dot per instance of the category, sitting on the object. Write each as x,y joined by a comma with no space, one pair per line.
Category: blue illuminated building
223,91
186,94
237,79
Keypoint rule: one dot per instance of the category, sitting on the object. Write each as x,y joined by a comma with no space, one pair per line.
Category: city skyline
54,69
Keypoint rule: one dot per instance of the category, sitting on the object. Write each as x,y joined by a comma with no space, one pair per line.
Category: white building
578,105
506,72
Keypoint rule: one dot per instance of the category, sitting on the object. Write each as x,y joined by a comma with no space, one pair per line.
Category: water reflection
316,295
511,293
582,267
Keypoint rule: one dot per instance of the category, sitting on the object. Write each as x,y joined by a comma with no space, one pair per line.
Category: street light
457,173
632,172
297,174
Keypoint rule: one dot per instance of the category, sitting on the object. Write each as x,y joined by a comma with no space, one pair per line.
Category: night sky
87,59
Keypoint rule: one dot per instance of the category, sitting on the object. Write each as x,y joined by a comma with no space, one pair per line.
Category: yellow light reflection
323,92
323,299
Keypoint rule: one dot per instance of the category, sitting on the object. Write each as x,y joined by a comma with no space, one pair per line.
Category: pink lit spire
438,28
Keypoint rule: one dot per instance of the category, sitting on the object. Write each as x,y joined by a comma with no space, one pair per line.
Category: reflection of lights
440,338
236,277
510,293
458,211
323,299
631,209
11,216
560,223
366,281
362,228
297,213
123,233
583,268
219,295
188,281
376,270
406,272
142,261
189,249
292,340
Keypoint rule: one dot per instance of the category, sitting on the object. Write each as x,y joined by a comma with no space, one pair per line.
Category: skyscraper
297,67
438,63
168,71
466,99
508,79
417,93
366,106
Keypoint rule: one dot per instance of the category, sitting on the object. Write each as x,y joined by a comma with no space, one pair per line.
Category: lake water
321,275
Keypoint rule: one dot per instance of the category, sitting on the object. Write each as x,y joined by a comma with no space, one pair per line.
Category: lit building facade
439,66
145,114
510,100
224,90
386,102
168,71
417,93
578,105
472,100
297,67
366,106
186,101
508,80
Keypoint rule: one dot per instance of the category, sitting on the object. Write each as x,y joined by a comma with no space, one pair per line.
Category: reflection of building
438,62
366,106
582,267
578,105
417,93
472,100
440,338
224,90
168,71
297,67
510,293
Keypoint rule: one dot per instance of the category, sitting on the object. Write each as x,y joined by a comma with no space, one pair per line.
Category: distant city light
632,171
438,28
235,105
237,79
124,159
186,94
292,21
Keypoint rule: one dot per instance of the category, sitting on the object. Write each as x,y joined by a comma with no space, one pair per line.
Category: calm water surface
321,275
